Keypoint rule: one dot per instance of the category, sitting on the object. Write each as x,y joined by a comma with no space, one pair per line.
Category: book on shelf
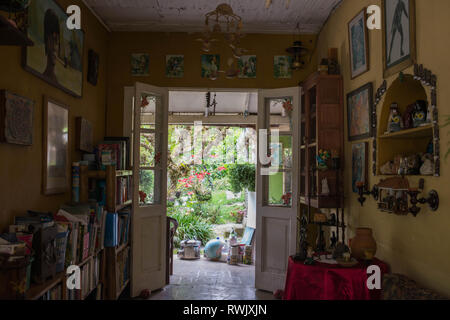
113,152
123,188
111,229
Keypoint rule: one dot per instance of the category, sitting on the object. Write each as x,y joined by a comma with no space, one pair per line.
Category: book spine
76,182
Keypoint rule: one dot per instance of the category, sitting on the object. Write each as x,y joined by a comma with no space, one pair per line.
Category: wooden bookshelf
36,291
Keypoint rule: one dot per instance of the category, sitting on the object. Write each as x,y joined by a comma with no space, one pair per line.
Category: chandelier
224,21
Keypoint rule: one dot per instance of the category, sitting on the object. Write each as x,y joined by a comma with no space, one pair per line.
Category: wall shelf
420,132
11,36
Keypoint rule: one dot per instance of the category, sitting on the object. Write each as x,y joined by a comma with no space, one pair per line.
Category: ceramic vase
363,245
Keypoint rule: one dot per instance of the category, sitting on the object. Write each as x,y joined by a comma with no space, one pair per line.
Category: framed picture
247,67
359,113
16,119
175,66
359,164
84,135
93,64
210,65
358,44
282,67
55,147
399,35
57,54
140,64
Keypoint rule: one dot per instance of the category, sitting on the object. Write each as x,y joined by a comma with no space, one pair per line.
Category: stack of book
123,267
114,151
117,228
123,193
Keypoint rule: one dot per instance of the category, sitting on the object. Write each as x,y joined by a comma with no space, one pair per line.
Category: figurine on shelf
395,119
427,167
309,256
413,164
325,187
407,117
340,250
322,159
388,168
420,113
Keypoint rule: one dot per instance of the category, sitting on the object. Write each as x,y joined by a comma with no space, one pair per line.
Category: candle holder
432,200
362,191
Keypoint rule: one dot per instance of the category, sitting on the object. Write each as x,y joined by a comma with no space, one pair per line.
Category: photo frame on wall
399,35
358,44
359,164
84,135
16,119
359,113
55,134
57,54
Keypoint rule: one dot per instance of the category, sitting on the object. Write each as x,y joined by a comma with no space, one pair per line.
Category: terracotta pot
363,245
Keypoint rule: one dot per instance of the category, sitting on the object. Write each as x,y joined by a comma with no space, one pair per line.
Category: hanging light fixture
297,51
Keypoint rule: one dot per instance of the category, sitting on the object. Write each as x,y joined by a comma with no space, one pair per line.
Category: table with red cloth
322,281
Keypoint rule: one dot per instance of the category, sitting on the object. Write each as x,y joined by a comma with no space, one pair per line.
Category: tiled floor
208,280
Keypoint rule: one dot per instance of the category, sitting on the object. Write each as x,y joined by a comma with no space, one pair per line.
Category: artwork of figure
397,27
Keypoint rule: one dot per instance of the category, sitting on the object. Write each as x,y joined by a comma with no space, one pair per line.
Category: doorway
205,107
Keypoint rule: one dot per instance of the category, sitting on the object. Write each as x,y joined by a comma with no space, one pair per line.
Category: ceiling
189,15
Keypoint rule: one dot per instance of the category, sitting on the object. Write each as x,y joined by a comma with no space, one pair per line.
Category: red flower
221,168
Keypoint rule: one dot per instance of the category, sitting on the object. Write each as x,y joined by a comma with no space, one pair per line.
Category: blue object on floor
248,236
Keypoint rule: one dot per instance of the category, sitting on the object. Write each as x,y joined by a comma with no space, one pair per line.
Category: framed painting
57,54
175,66
140,64
93,65
55,147
210,65
282,67
399,35
247,67
85,135
359,164
16,119
358,44
359,113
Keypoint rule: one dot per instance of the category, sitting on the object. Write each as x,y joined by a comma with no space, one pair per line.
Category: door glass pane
280,113
146,187
280,189
149,105
147,149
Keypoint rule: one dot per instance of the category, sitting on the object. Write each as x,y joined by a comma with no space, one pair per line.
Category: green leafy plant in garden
190,227
241,177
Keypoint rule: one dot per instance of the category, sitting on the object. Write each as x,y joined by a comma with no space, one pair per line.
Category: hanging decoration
297,51
224,21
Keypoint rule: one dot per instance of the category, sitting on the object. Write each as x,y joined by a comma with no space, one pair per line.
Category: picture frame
62,65
140,64
210,65
282,67
56,141
247,66
358,39
398,55
359,164
174,66
16,119
359,113
84,135
93,66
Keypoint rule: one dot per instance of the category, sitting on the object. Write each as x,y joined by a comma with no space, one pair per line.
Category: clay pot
363,245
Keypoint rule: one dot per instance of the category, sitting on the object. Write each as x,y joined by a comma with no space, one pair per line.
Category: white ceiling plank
189,15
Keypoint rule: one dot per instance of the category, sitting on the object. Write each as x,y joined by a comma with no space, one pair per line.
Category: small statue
340,250
420,113
413,164
325,187
395,121
408,122
309,256
427,167
333,240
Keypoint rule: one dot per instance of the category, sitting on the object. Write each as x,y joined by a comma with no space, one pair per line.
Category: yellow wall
417,247
158,45
21,167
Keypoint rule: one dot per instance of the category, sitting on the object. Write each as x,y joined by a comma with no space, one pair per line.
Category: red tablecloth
329,282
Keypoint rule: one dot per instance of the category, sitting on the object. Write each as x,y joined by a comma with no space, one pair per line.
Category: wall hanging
55,147
140,64
175,66
359,113
57,56
358,44
399,35
16,119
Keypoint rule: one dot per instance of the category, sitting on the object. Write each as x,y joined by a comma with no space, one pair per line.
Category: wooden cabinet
322,128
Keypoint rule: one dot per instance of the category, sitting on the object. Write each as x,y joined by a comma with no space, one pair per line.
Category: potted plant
242,177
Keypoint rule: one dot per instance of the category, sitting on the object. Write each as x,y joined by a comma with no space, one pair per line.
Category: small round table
323,281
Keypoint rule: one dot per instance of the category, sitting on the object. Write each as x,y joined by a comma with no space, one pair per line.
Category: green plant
241,177
191,226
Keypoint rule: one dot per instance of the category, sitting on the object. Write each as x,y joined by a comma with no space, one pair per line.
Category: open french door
276,185
148,262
